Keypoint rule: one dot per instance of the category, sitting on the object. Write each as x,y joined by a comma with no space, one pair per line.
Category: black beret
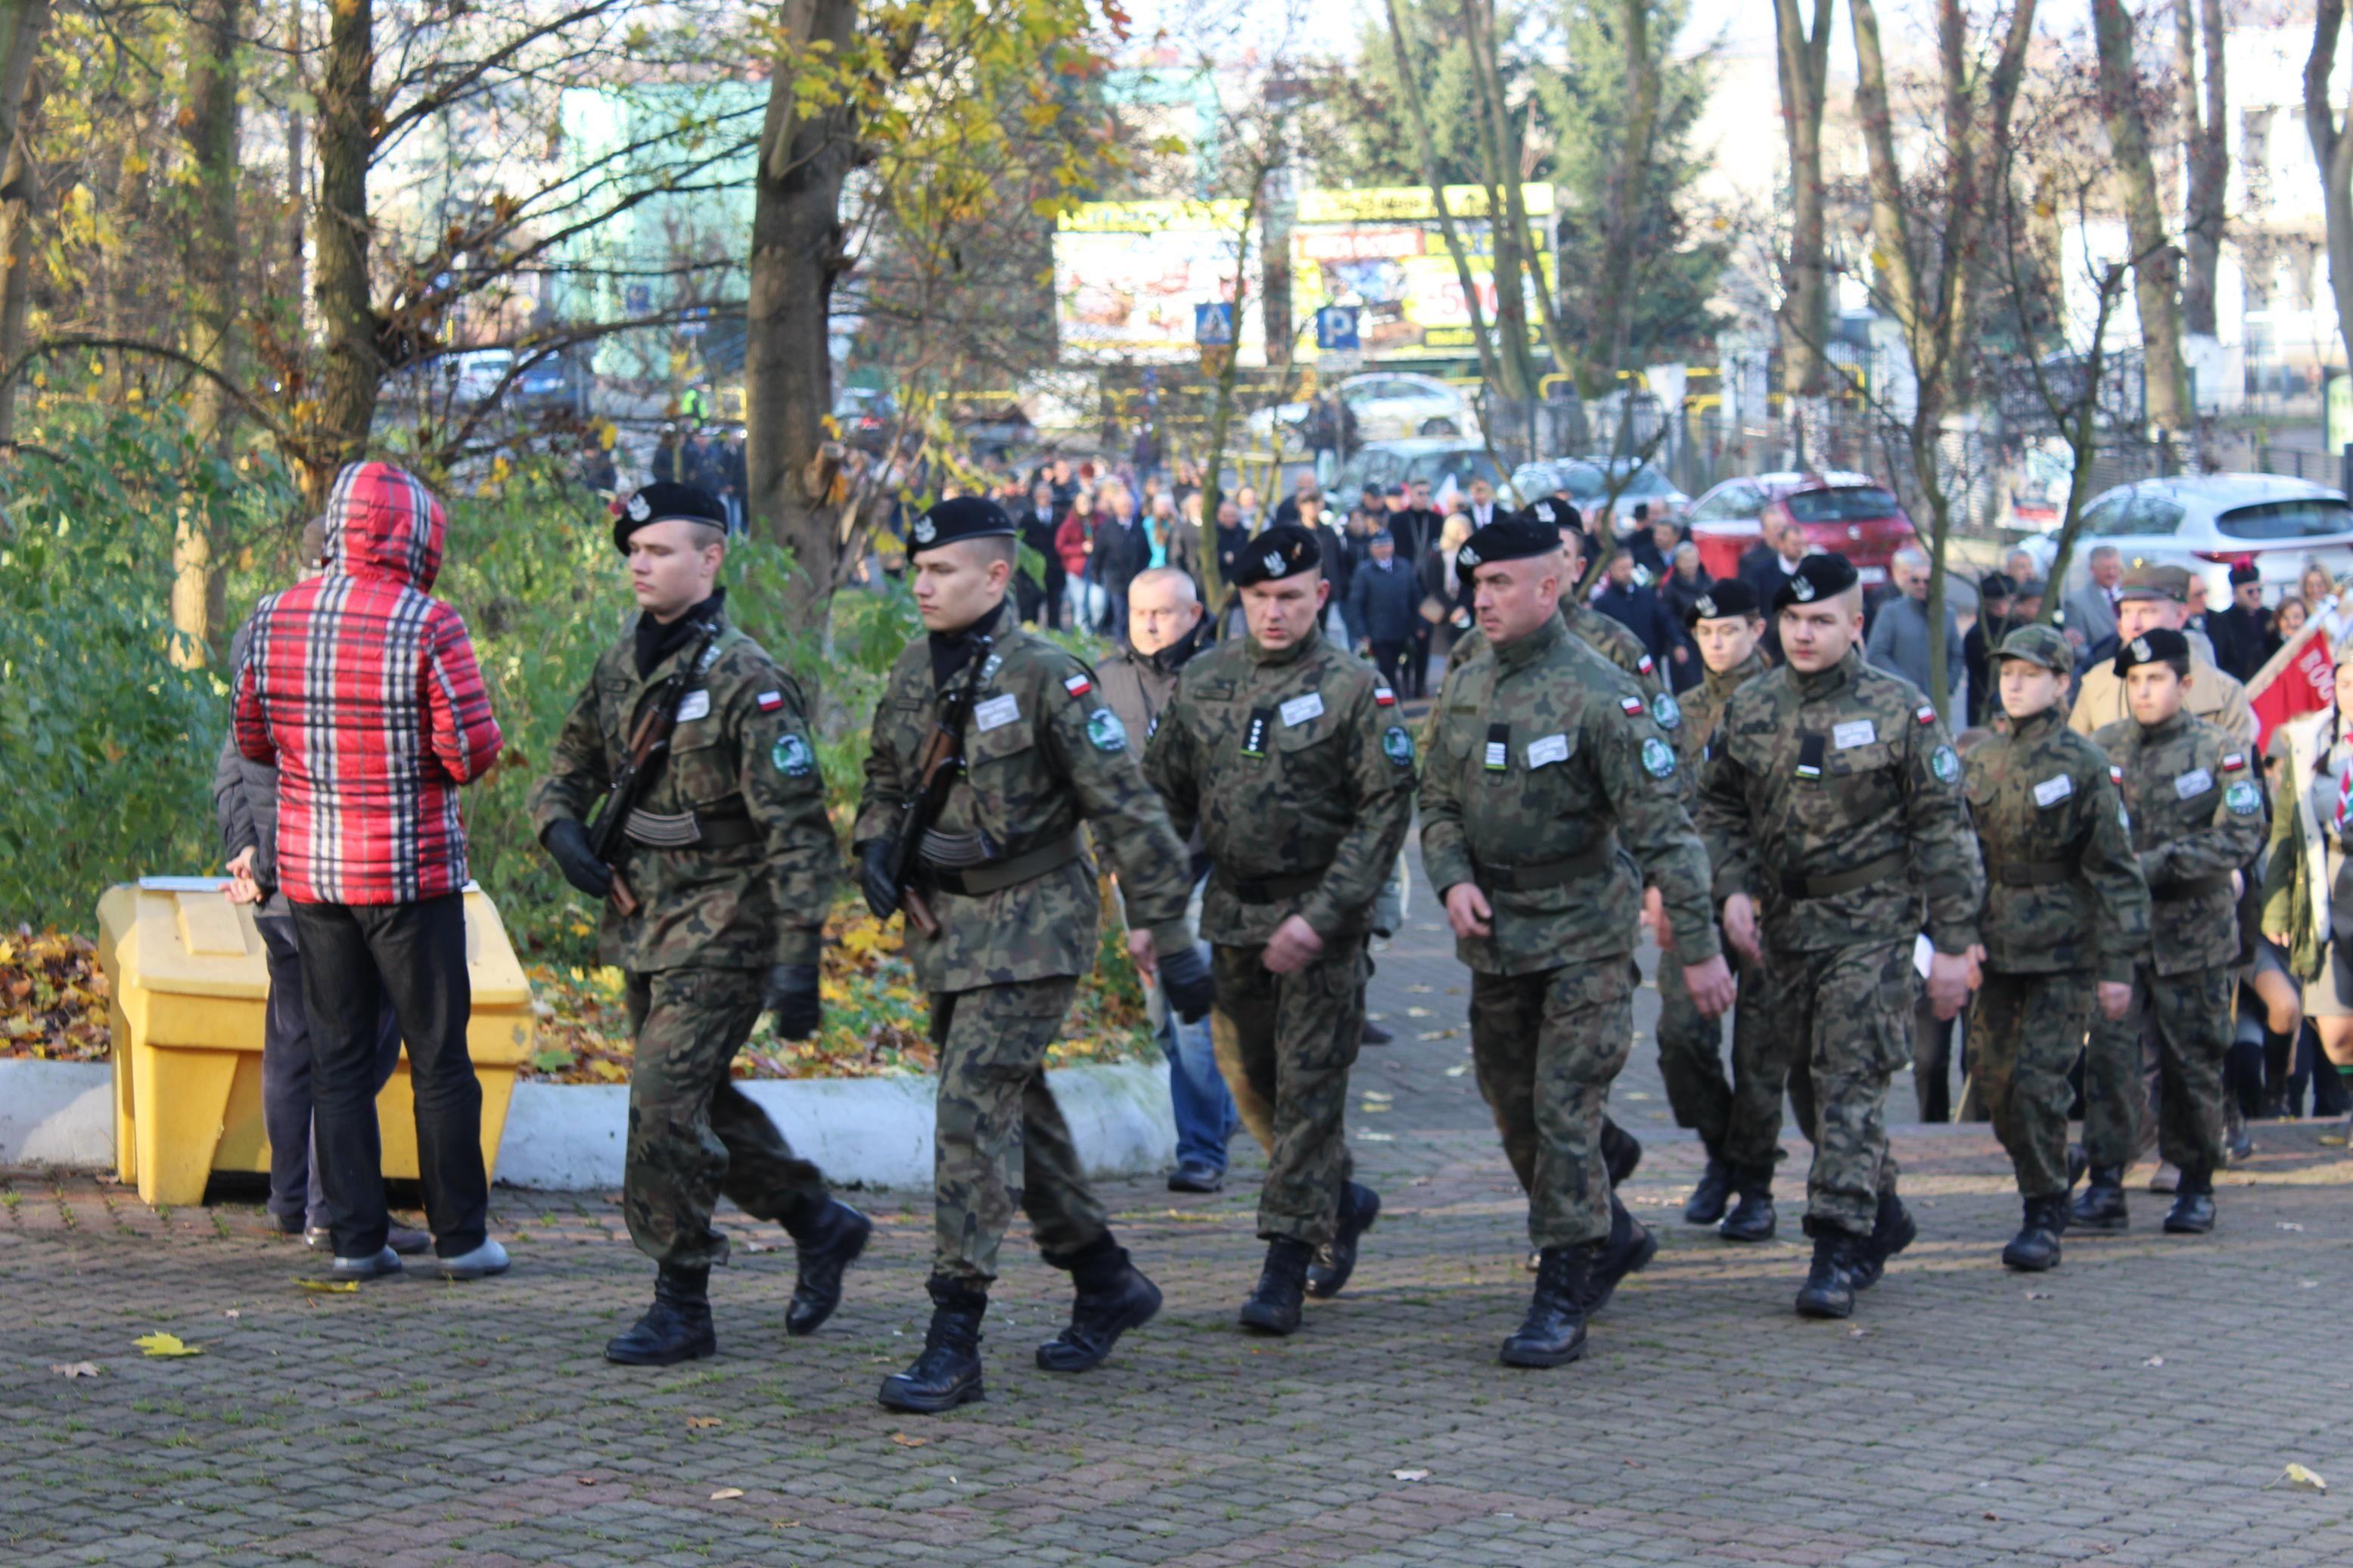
660,502
2245,572
1284,550
2151,647
1816,577
1726,597
1508,538
1554,512
961,517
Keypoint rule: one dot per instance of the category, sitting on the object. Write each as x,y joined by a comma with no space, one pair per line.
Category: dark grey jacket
245,801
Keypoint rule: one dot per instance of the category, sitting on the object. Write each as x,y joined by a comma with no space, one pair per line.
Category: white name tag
2196,782
996,713
1551,748
2051,792
696,706
1853,733
1300,709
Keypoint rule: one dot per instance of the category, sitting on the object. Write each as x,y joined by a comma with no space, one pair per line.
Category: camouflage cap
2151,581
2039,645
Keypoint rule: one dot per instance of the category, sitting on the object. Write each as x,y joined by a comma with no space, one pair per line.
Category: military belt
689,830
2191,888
1592,862
1838,882
976,881
2030,873
1270,890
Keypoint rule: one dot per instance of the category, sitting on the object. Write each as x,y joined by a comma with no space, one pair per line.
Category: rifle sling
978,881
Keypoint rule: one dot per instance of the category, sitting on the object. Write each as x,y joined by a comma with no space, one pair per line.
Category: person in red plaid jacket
362,690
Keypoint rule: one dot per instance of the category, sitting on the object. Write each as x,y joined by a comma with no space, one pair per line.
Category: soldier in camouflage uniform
2197,816
731,866
2066,914
1739,1122
1006,875
1833,798
1289,753
1549,796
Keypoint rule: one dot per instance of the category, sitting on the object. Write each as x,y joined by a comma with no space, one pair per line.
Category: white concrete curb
872,1131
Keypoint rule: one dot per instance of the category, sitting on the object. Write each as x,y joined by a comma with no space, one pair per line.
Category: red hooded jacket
364,693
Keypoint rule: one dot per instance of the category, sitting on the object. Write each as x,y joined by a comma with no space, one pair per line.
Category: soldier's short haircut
701,536
994,547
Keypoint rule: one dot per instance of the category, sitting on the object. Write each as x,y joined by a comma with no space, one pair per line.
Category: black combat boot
2035,1248
2077,1163
948,1372
1113,1296
1706,1204
1628,1250
1829,1291
2192,1212
828,1242
1359,1207
2101,1206
1752,1218
1553,1334
676,1328
1620,1151
1892,1230
1273,1307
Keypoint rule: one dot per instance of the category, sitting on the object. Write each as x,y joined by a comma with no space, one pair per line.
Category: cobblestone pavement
2129,1408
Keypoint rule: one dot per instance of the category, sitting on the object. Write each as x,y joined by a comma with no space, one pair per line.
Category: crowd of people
2101,875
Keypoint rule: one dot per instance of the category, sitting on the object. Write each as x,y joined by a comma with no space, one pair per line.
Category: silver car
2209,522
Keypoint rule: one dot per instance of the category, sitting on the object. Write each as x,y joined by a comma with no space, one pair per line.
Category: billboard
1132,279
1384,251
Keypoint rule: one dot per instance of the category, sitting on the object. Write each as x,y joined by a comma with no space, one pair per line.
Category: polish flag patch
2234,762
1077,685
1645,667
1925,714
2115,775
1384,698
1633,705
770,702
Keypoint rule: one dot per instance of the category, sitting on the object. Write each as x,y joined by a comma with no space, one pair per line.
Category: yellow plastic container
190,985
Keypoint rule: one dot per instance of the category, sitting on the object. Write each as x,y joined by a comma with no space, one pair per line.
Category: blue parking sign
1335,328
1213,325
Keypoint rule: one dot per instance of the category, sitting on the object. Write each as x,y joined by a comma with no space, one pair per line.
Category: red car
1851,513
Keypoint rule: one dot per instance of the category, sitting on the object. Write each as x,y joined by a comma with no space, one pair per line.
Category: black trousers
355,957
1388,657
1417,663
294,1190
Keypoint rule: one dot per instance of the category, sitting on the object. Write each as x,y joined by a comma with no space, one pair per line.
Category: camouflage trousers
999,1141
2024,1032
693,1134
1285,1043
1548,1047
1846,1013
1740,1119
2187,1019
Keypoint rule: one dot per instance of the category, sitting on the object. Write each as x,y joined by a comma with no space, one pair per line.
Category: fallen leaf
585,1480
726,1493
1377,1094
756,1247
1376,1017
75,1369
2307,1284
1858,1334
1439,1034
165,1344
1417,1011
1411,1475
331,1286
700,1422
1418,989
1458,1070
232,1313
2289,1225
2153,1361
2295,1478
1374,1138
2038,1295
1372,1108
904,1441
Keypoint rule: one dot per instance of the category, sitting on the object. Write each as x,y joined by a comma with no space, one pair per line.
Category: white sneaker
486,1259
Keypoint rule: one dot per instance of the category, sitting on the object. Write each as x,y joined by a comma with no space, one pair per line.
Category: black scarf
1172,657
657,641
950,651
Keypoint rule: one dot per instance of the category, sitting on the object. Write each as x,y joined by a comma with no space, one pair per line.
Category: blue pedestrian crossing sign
1336,329
1213,325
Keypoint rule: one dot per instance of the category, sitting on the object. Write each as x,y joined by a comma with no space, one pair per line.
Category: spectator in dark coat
1654,542
1678,591
1383,598
1122,551
1634,606
2241,634
1039,526
1993,624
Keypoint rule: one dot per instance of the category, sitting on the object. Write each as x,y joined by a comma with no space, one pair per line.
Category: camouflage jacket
2063,888
1541,751
1292,762
1703,708
2198,814
741,749
1834,800
1043,755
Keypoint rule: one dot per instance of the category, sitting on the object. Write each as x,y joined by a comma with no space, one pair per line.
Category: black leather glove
1185,981
792,994
874,878
567,842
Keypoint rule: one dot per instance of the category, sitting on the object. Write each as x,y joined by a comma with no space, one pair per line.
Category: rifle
938,767
609,830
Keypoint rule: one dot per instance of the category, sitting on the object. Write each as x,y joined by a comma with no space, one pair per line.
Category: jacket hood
383,522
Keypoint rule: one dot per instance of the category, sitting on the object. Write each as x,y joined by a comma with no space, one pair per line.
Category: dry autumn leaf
331,1286
725,1494
1411,1475
165,1344
76,1368
904,1441
701,1422
2297,1479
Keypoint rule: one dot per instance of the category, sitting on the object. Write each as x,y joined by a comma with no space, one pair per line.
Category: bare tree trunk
2206,156
2157,274
1486,73
1629,184
22,23
2332,149
354,362
1890,236
209,116
298,159
1490,366
796,255
1222,412
1805,310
